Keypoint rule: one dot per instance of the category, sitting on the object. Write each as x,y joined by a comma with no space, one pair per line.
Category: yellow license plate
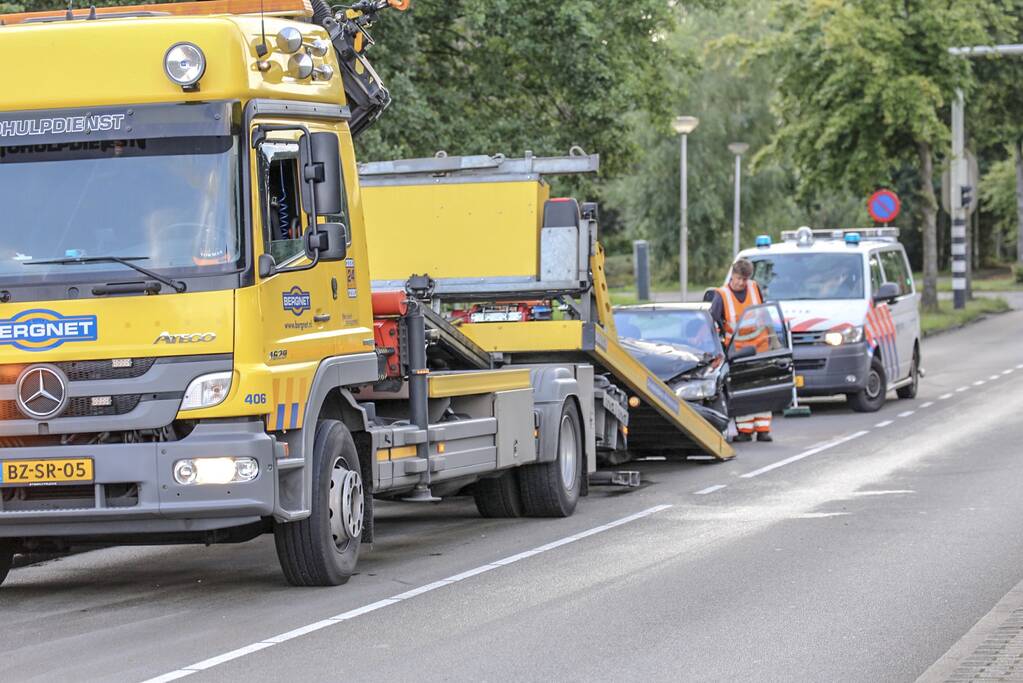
799,381
36,472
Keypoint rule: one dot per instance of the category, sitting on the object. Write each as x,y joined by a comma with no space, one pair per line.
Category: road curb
991,650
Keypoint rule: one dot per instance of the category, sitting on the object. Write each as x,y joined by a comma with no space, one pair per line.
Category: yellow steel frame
443,385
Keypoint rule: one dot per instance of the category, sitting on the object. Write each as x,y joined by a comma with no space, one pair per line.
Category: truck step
628,478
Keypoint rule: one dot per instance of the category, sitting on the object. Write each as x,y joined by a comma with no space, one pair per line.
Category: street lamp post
738,149
684,125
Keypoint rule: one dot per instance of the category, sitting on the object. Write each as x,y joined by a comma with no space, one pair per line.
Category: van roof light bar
273,8
875,234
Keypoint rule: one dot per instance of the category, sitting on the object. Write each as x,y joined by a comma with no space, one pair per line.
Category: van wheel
909,391
499,496
872,397
322,549
551,489
6,559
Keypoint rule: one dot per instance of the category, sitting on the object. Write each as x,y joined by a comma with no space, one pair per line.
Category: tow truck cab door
760,376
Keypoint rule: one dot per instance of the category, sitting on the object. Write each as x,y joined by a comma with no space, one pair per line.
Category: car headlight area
849,335
697,390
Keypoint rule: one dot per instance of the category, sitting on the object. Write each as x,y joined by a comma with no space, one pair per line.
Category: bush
1017,274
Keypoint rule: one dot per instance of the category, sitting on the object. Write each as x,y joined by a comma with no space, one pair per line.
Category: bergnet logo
297,301
40,329
19,128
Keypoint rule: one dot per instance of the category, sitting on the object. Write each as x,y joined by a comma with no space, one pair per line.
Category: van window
876,277
895,270
789,277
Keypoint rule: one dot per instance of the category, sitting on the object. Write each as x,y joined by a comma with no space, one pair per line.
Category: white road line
1020,366
978,383
709,489
906,413
961,389
883,424
927,405
380,604
944,396
800,456
1007,372
994,377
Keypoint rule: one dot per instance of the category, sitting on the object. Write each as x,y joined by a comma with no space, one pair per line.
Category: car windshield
785,277
687,328
171,201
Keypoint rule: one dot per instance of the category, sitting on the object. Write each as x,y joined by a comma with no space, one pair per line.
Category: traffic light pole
958,185
956,199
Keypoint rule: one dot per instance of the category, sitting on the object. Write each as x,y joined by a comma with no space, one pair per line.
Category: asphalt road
855,547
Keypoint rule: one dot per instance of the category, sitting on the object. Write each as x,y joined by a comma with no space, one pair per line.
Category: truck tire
872,397
6,559
499,496
551,489
322,549
909,391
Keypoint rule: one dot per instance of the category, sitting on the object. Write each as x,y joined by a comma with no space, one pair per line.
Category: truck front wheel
551,489
322,550
6,558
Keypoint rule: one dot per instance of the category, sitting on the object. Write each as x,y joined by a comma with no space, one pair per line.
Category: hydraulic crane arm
348,30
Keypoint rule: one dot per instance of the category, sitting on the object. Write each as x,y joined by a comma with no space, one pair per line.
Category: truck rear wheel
551,489
499,496
6,558
871,398
322,550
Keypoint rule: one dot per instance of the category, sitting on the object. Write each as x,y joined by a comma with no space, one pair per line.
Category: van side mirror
321,175
328,240
887,292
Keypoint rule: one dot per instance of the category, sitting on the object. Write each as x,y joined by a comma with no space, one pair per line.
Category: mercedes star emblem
42,391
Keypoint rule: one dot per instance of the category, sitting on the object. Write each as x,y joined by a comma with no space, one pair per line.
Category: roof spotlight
185,64
289,40
300,66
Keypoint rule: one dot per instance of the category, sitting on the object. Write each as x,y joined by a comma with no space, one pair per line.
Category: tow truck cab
852,308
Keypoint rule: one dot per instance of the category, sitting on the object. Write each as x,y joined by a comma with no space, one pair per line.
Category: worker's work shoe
764,436
743,436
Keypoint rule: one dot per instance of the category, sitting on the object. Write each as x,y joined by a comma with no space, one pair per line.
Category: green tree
864,88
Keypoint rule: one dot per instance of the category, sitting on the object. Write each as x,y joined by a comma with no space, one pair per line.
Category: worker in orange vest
727,306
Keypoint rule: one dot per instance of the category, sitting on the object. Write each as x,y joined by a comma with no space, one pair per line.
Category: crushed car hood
666,361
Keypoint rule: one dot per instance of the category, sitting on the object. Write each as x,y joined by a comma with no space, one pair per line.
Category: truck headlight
849,335
215,470
207,391
184,64
697,390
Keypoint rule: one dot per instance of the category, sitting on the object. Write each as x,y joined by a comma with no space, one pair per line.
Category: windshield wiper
178,285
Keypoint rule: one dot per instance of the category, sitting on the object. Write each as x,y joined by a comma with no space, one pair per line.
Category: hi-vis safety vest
748,335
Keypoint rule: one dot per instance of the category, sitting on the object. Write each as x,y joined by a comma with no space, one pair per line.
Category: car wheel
6,558
909,391
872,397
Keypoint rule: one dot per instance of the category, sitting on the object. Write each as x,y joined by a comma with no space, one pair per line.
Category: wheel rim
568,452
347,506
873,383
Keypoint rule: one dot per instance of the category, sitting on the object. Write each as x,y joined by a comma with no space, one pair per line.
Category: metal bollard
641,268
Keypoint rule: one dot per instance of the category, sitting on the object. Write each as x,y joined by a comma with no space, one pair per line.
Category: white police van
849,299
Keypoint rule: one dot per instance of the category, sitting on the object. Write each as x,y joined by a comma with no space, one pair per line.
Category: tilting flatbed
487,232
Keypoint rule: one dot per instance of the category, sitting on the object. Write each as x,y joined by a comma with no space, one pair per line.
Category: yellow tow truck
191,350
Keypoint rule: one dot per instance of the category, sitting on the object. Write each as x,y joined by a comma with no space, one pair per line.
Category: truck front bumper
829,370
134,490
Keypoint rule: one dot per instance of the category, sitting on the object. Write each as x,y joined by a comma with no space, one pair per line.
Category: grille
810,363
80,406
69,497
807,337
86,370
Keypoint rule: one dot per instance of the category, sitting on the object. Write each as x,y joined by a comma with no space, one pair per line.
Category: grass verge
948,318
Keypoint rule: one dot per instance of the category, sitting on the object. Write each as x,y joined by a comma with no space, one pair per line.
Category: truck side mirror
328,240
321,175
887,292
266,265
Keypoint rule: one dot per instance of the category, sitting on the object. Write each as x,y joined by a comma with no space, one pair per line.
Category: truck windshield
173,201
787,277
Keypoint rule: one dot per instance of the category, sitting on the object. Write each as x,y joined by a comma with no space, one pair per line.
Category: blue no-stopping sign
884,206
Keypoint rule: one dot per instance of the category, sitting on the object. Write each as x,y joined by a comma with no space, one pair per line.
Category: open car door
760,377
